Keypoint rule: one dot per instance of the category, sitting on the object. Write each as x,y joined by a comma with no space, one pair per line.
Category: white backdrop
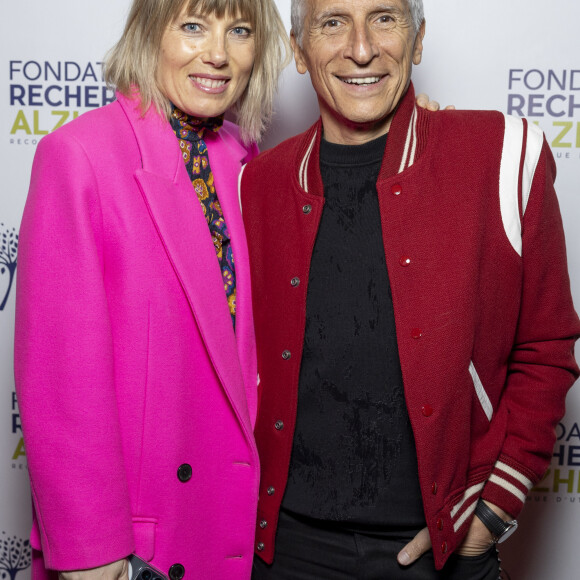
521,56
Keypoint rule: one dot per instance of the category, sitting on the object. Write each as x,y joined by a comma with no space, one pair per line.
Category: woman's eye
241,31
191,27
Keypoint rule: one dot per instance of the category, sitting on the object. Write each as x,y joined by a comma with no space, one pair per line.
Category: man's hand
478,540
425,103
118,570
420,544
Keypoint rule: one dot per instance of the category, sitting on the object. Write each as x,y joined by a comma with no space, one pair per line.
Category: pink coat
137,399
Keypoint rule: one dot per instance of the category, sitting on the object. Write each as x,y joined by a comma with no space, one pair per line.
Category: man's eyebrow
338,11
388,8
328,13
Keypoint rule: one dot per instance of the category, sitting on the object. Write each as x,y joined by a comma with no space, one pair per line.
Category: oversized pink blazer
127,367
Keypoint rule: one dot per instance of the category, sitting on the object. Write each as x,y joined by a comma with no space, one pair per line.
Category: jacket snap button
434,488
270,491
397,189
286,355
427,410
263,524
176,572
439,524
260,547
405,261
279,425
416,333
444,547
184,472
307,209
295,281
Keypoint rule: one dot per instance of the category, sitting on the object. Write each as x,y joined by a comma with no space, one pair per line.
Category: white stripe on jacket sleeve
513,149
533,150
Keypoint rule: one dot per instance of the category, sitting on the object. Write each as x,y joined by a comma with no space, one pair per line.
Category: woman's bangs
245,8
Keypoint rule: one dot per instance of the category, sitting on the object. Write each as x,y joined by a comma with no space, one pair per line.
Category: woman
135,371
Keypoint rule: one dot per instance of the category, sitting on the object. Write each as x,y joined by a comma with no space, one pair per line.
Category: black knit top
353,457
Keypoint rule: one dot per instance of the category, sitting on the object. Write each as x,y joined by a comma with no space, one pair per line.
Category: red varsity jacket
485,323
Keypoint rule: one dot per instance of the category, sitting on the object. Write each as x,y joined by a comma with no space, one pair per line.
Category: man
414,322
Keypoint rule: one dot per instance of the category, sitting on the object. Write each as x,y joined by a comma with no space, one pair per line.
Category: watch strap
491,520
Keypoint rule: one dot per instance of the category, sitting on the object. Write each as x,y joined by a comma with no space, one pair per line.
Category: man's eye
332,23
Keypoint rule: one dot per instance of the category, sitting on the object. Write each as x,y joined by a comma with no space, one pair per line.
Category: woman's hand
118,570
425,103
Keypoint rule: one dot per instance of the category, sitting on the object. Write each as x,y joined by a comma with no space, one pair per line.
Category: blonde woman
135,358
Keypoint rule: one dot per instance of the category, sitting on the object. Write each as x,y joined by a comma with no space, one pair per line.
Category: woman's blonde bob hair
132,62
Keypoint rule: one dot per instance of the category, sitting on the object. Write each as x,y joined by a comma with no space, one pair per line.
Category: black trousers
308,549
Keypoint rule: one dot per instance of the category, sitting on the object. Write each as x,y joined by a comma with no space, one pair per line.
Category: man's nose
361,46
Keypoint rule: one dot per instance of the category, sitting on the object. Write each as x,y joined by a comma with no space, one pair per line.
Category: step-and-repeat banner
521,57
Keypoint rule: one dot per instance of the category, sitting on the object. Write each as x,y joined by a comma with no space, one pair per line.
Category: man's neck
343,132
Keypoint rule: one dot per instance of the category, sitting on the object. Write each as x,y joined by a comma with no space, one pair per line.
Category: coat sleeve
64,366
542,366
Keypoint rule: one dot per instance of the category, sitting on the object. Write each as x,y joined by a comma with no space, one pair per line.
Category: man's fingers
415,548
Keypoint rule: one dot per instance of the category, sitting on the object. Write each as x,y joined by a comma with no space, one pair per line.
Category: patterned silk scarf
189,131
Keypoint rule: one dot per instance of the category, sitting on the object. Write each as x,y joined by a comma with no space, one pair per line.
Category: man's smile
369,80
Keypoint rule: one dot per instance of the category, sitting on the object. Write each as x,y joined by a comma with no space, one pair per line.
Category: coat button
270,491
176,572
295,281
260,547
184,472
263,524
279,425
440,524
427,410
396,189
416,333
307,209
286,355
434,488
444,547
405,261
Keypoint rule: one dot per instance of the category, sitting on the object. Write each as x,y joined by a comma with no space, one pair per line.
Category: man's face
359,54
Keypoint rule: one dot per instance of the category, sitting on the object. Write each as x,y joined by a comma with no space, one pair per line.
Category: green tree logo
15,555
8,255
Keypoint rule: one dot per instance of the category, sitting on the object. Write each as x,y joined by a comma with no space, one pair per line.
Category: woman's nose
216,52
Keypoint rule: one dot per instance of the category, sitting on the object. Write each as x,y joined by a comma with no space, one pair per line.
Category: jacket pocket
480,392
144,532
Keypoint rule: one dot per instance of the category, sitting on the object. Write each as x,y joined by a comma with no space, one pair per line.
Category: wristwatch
500,529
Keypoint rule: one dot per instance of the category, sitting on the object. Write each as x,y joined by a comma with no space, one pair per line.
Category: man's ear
298,56
418,48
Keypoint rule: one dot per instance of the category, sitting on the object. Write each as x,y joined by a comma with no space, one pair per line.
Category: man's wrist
499,523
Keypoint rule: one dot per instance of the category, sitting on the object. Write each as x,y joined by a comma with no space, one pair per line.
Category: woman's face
205,62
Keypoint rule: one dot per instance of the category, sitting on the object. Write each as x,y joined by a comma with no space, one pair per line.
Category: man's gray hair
298,14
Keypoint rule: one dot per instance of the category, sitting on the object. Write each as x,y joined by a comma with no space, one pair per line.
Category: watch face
512,527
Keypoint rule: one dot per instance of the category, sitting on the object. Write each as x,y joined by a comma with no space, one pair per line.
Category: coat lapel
226,158
183,231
